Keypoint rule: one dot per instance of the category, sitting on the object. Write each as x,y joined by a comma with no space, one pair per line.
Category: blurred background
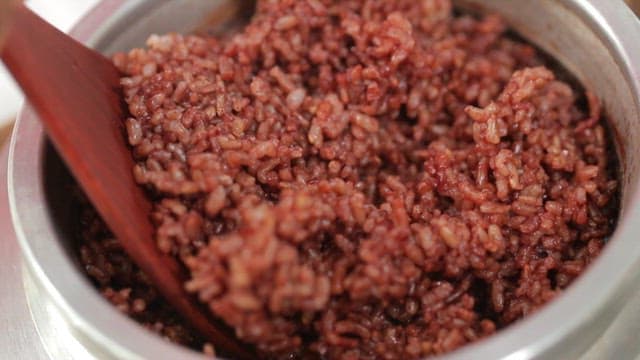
63,14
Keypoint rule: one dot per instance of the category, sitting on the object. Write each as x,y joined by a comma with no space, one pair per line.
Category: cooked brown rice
359,179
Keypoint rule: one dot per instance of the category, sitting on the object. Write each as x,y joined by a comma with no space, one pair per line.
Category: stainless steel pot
597,40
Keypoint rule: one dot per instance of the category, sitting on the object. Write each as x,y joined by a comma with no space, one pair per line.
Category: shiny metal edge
54,331
22,339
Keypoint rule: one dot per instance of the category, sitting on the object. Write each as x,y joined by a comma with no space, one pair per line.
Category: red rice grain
361,179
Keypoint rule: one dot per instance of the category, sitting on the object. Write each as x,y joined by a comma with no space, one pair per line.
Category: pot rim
90,314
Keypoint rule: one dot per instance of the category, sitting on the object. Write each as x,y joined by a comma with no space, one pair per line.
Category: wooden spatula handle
6,9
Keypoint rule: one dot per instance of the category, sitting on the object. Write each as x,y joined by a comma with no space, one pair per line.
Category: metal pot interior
569,30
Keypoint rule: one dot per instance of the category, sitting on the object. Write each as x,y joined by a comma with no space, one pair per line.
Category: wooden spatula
76,94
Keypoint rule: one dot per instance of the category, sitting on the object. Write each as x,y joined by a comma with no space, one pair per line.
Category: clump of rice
362,179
